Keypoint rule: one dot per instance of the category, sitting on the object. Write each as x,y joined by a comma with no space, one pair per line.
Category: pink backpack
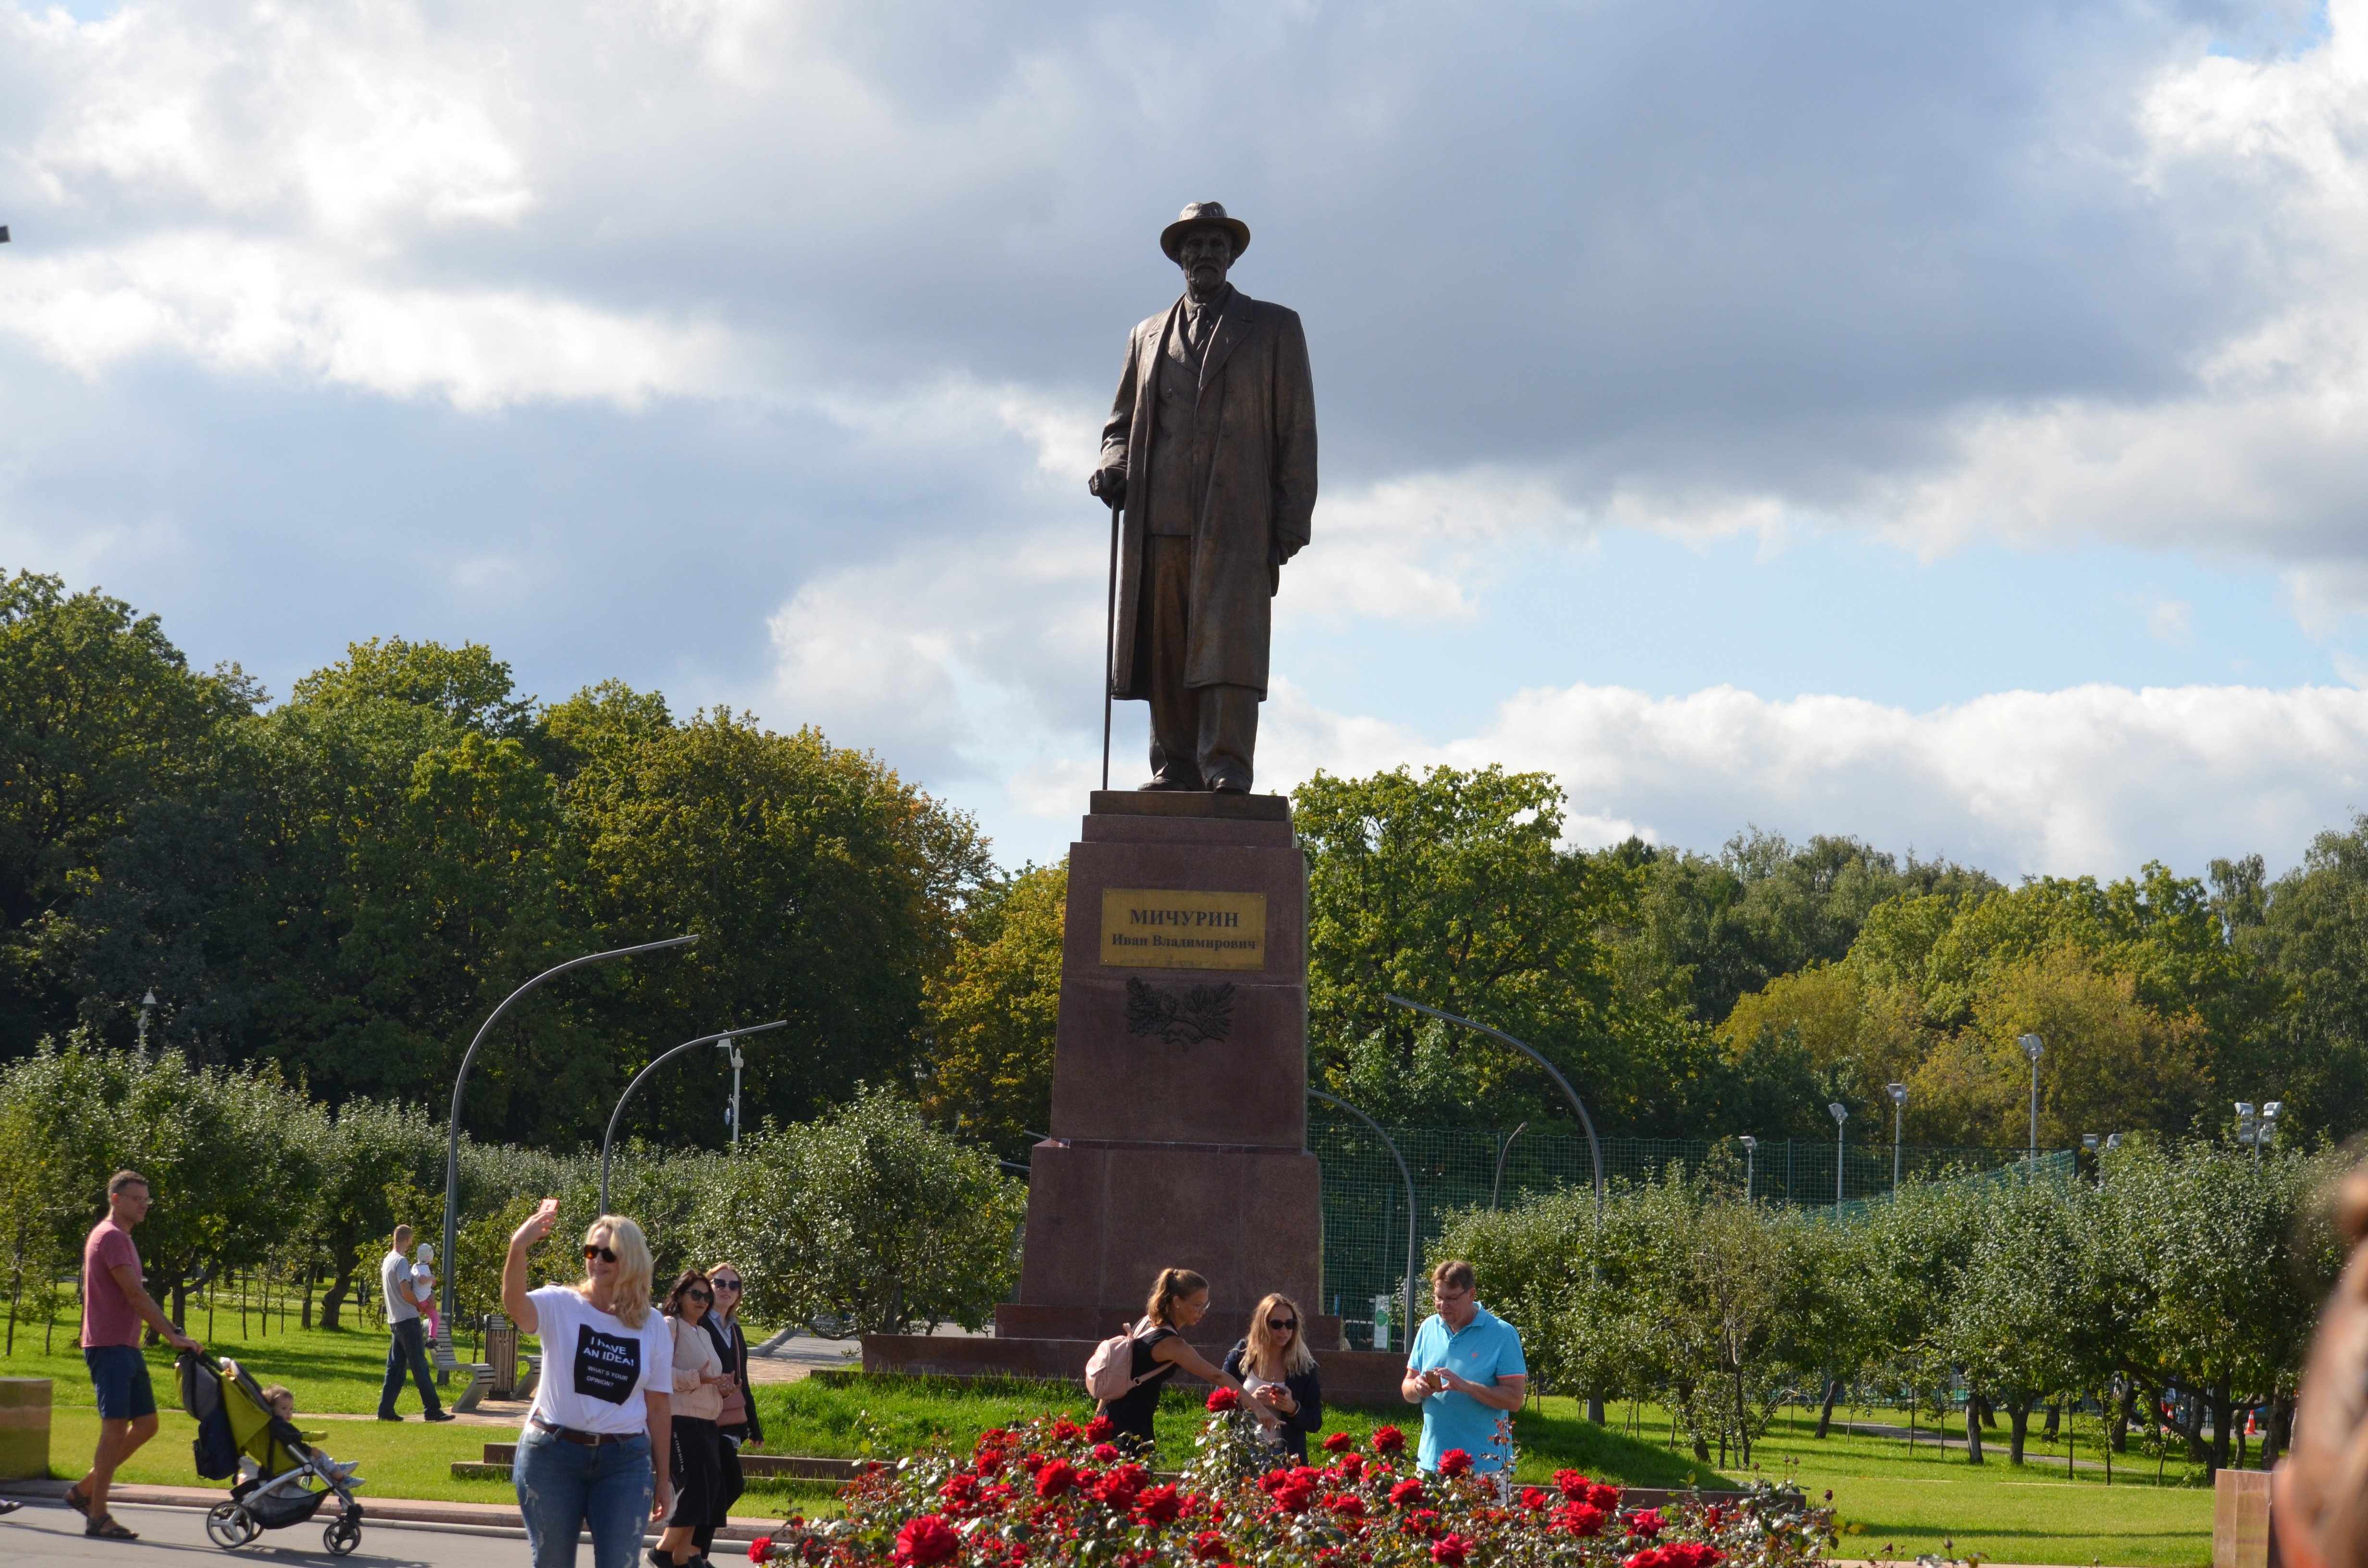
1110,1370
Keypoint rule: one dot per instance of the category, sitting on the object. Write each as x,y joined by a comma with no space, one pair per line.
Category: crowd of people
643,1405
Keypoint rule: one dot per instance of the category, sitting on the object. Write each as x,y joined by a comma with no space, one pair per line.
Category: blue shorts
121,1374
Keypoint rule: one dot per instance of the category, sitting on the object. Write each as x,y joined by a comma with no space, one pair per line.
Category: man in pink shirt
114,1302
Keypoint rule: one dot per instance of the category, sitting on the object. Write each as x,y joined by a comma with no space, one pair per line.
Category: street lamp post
1750,1157
1594,1148
1898,1108
2033,1047
2256,1133
1405,1176
460,1081
147,1011
729,1039
1498,1185
1840,1114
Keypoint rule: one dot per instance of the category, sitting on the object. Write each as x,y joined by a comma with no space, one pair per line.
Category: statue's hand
1110,483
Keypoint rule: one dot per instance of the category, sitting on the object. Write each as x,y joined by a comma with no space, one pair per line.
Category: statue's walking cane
1110,643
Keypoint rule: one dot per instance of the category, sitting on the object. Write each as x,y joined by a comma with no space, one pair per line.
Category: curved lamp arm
618,1114
452,1129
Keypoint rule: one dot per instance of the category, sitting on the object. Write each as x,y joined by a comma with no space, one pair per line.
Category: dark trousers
407,1350
1202,737
729,1484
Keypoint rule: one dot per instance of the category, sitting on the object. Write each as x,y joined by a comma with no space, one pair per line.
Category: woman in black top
1285,1393
1179,1298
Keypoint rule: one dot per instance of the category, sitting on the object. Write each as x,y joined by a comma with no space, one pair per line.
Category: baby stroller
295,1478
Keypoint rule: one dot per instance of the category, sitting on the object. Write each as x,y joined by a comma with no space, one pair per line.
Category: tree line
863,1218
2170,1287
344,882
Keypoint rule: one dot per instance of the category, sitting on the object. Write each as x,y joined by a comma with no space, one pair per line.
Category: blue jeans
407,1351
562,1487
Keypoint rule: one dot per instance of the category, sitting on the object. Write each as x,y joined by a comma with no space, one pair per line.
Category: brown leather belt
587,1440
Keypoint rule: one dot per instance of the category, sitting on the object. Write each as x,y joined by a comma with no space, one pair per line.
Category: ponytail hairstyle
2321,1489
1172,1286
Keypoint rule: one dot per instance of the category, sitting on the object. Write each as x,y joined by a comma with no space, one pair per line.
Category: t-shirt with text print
595,1369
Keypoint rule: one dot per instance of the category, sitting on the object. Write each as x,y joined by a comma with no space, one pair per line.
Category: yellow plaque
1153,929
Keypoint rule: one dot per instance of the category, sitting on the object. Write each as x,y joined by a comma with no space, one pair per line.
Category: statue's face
1205,253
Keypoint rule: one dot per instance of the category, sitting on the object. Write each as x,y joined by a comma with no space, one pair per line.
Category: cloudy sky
1947,424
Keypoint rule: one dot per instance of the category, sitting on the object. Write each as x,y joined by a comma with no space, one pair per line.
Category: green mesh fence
1365,1200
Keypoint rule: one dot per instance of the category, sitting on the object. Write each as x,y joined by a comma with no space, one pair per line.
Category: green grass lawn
1892,1502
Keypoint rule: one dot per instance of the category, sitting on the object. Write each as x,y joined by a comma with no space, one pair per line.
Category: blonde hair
631,1302
1275,1361
1172,1285
2322,1487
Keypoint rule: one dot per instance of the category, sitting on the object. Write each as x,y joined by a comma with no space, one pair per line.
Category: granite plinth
1180,1093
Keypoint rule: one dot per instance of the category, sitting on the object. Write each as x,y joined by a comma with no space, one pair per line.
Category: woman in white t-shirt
595,1448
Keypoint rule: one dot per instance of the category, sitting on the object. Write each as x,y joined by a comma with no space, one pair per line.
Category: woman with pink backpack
1128,1370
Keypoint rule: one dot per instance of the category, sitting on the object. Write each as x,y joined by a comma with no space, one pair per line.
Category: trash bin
501,1354
24,1428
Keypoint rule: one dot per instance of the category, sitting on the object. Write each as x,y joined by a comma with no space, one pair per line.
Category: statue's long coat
1256,423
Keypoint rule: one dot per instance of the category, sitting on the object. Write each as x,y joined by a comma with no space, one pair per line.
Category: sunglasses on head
1283,1326
593,1250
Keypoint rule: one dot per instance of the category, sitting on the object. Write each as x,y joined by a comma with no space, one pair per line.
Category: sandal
105,1528
79,1504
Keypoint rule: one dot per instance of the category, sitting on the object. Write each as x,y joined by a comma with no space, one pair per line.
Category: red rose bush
1052,1494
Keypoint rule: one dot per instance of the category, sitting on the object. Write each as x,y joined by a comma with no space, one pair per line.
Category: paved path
43,1533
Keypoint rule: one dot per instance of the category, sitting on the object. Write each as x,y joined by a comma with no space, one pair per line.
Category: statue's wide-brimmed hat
1204,215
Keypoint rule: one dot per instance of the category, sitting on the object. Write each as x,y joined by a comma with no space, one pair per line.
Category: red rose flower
1388,1440
1455,1461
1056,1477
1066,1430
1449,1550
1532,1499
1406,1493
925,1542
1423,1522
1689,1554
1222,1400
1604,1497
1580,1518
1101,1428
1032,1463
1646,1522
1648,1558
1208,1546
1348,1505
1104,1453
1572,1484
1338,1443
1294,1496
959,1489
1158,1505
762,1549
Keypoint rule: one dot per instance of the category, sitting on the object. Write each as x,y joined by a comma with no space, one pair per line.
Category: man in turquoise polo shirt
1466,1370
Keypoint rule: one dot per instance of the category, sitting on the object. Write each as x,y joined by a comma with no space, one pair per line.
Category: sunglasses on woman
1283,1326
727,1284
698,1295
603,1254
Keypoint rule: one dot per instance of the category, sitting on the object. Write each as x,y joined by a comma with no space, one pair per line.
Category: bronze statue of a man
1210,450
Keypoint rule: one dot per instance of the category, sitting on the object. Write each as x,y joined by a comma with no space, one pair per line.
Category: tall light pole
1898,1108
460,1081
1498,1185
1842,1118
2256,1133
1595,1149
2033,1047
1750,1157
729,1038
147,1002
732,1044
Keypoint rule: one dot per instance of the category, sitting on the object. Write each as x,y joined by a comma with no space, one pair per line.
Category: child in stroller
285,1480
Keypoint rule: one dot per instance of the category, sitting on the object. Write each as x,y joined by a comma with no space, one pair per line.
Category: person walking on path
1465,1370
1179,1300
698,1381
597,1445
1278,1371
114,1302
739,1422
406,1349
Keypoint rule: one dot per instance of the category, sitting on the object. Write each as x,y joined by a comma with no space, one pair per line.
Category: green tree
992,1012
866,1221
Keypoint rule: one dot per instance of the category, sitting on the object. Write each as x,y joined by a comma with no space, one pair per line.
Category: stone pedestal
1180,1079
